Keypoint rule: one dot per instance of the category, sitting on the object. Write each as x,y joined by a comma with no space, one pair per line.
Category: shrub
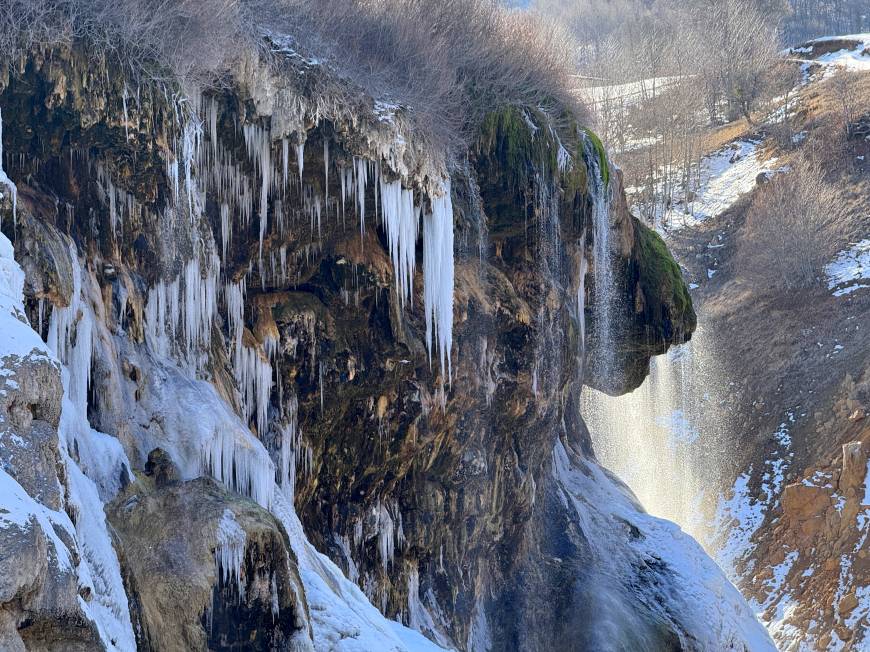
449,62
791,226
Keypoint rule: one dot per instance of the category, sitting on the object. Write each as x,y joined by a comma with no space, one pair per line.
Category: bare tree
790,227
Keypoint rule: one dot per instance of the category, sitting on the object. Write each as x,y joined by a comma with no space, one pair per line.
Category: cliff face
269,297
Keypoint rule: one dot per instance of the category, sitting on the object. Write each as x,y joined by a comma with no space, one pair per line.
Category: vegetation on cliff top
448,63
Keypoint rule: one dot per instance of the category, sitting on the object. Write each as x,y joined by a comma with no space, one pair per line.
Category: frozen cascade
165,312
229,553
254,375
686,586
401,220
438,276
101,456
7,182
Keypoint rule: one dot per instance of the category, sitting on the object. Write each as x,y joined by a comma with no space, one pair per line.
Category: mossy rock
666,299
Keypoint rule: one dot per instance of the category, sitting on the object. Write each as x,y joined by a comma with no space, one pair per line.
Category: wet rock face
183,598
431,489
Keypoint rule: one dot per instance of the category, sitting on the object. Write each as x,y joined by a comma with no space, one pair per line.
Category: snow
725,176
856,58
438,274
16,340
18,509
848,268
707,608
628,94
342,618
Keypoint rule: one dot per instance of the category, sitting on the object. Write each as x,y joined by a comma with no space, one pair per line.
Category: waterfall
602,260
666,439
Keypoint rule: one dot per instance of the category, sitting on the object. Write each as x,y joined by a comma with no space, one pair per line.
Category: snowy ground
850,269
726,175
856,58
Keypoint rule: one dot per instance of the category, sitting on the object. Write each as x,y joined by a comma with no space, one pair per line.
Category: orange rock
854,467
801,502
848,603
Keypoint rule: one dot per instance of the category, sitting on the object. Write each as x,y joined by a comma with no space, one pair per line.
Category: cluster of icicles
180,312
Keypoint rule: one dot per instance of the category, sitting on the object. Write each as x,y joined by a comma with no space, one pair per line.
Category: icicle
401,219
300,156
226,230
386,536
78,316
438,277
290,447
126,118
285,158
191,137
230,550
6,181
243,466
325,178
361,179
254,375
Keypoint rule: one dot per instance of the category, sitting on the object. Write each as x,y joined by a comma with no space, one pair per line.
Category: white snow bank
856,58
342,618
17,336
18,509
848,268
628,94
726,175
696,595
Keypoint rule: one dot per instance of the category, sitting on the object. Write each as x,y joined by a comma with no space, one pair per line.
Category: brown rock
801,502
854,467
848,603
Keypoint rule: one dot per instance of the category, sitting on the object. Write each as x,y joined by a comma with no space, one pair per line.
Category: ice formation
401,220
229,553
101,456
6,182
438,276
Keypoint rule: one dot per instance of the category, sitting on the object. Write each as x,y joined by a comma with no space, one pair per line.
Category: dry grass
449,62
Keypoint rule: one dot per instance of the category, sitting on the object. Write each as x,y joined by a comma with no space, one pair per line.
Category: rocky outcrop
231,267
205,569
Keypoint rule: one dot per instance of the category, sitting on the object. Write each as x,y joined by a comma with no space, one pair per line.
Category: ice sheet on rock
229,553
204,436
18,509
705,606
100,455
342,618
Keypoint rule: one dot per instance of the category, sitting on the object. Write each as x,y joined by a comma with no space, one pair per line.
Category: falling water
666,438
602,260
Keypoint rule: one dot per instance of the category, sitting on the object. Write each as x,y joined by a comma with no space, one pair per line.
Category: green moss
661,279
507,139
602,154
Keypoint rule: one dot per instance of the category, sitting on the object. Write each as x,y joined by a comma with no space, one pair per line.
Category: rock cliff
267,300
